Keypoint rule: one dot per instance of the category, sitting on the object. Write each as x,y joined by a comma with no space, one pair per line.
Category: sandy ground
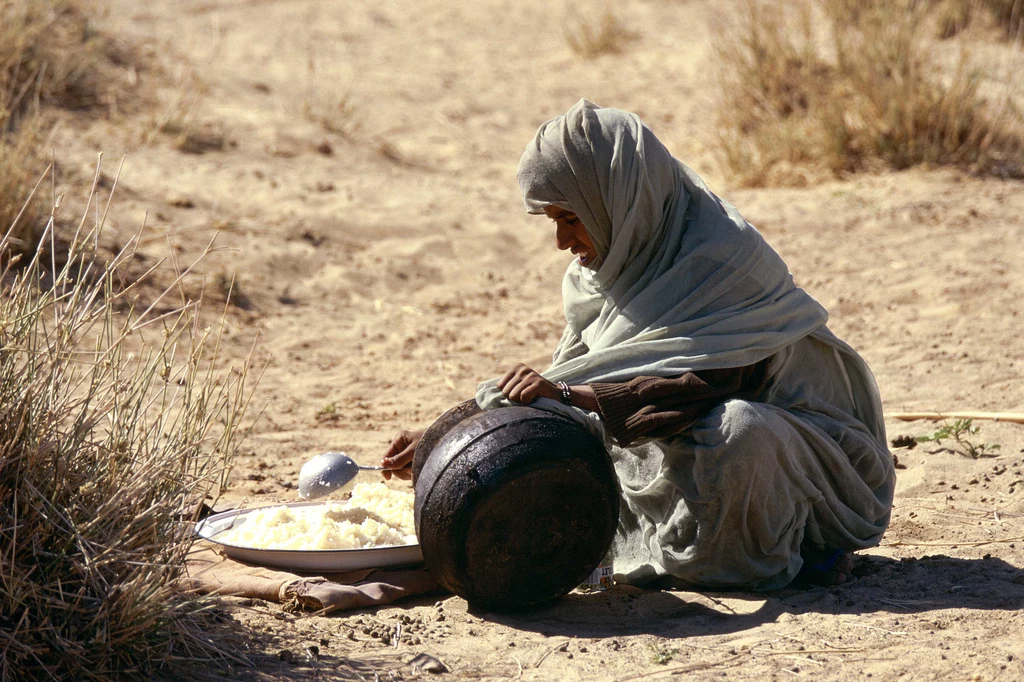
385,263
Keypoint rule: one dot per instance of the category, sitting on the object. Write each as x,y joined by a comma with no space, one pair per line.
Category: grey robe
731,501
685,283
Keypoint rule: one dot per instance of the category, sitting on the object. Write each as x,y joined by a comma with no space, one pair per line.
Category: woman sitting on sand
748,439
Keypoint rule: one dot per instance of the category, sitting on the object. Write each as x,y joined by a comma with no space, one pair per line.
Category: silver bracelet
566,392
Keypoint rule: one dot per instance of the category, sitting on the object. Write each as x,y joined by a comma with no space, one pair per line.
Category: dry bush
953,16
607,36
50,56
329,104
828,87
115,423
335,112
1007,13
200,141
21,165
181,118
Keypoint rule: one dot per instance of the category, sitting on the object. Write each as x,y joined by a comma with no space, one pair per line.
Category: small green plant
663,656
328,413
960,432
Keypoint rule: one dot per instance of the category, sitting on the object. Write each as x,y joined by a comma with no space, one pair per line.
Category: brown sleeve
658,407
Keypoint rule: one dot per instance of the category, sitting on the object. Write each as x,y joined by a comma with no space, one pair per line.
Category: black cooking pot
514,506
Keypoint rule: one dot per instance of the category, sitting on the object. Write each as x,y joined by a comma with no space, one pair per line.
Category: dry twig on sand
1014,417
692,667
561,646
901,543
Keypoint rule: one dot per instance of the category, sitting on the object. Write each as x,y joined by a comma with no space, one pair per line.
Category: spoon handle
371,468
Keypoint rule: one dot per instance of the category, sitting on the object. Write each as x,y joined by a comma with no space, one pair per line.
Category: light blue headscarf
684,282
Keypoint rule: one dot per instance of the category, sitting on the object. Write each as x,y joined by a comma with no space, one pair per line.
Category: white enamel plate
324,560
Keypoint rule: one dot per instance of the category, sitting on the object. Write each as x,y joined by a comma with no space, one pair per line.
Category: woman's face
572,235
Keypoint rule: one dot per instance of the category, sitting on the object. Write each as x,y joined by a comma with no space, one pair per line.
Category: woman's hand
524,385
397,460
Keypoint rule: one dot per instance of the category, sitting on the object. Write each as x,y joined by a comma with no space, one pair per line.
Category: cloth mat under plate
209,572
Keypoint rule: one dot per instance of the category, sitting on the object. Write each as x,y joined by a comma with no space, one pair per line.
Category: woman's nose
564,238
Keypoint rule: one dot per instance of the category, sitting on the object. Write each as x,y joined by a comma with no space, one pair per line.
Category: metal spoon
328,472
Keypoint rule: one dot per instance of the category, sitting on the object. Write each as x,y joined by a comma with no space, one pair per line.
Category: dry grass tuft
335,113
607,36
1007,13
227,289
195,141
328,104
115,423
21,164
50,56
953,16
181,119
829,87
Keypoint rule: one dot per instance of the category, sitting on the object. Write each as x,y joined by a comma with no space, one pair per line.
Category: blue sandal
819,568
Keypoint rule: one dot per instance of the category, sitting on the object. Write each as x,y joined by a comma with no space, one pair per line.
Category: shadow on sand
883,585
